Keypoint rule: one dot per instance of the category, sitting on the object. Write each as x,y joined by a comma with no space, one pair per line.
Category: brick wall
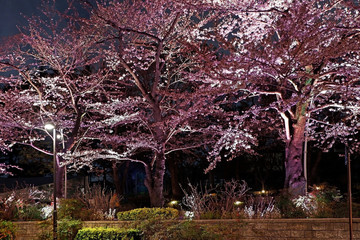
246,229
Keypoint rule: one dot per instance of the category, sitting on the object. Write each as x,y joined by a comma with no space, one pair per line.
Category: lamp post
50,126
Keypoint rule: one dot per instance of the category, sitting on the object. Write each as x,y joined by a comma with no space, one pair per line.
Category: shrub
218,202
149,213
67,229
168,230
76,209
109,234
322,202
96,198
30,212
8,209
23,204
260,207
70,208
288,208
46,230
7,230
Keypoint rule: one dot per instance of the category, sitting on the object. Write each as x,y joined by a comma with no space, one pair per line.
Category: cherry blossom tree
122,84
299,59
155,103
49,74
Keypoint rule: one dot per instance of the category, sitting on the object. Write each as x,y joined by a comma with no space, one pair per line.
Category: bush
70,209
288,208
22,204
260,207
149,213
7,230
96,198
217,202
170,230
30,212
76,209
109,234
66,229
46,230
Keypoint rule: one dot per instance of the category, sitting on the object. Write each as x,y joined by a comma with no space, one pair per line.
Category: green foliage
23,204
337,210
46,230
29,212
70,209
109,234
185,231
7,230
149,213
66,229
75,209
322,202
287,208
154,229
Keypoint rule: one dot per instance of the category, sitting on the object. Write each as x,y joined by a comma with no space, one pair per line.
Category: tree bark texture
115,173
154,180
294,179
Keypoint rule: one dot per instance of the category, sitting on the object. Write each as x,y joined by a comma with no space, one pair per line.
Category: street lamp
49,127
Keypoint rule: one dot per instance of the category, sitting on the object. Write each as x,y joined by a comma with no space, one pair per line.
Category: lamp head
49,126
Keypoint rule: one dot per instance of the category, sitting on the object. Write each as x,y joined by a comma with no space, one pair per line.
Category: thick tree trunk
294,179
154,180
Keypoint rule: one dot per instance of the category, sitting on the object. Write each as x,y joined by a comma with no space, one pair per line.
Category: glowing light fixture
49,126
238,203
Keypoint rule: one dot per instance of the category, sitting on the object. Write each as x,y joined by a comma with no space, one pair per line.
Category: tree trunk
294,179
154,180
124,178
115,173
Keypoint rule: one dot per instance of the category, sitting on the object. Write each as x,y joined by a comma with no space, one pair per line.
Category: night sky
12,13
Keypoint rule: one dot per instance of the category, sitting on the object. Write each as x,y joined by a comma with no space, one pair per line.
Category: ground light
50,127
238,203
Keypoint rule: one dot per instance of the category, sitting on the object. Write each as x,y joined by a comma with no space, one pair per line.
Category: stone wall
246,229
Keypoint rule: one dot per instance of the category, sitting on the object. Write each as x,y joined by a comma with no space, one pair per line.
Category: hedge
101,233
148,213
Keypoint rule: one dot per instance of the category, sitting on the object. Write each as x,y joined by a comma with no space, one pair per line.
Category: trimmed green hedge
149,213
101,233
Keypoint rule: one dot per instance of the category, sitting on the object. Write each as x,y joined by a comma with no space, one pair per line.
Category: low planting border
246,229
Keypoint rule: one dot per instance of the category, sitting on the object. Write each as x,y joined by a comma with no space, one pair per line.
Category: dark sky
10,14
11,10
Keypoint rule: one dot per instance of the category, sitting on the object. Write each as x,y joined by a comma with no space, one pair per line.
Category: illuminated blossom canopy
137,80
